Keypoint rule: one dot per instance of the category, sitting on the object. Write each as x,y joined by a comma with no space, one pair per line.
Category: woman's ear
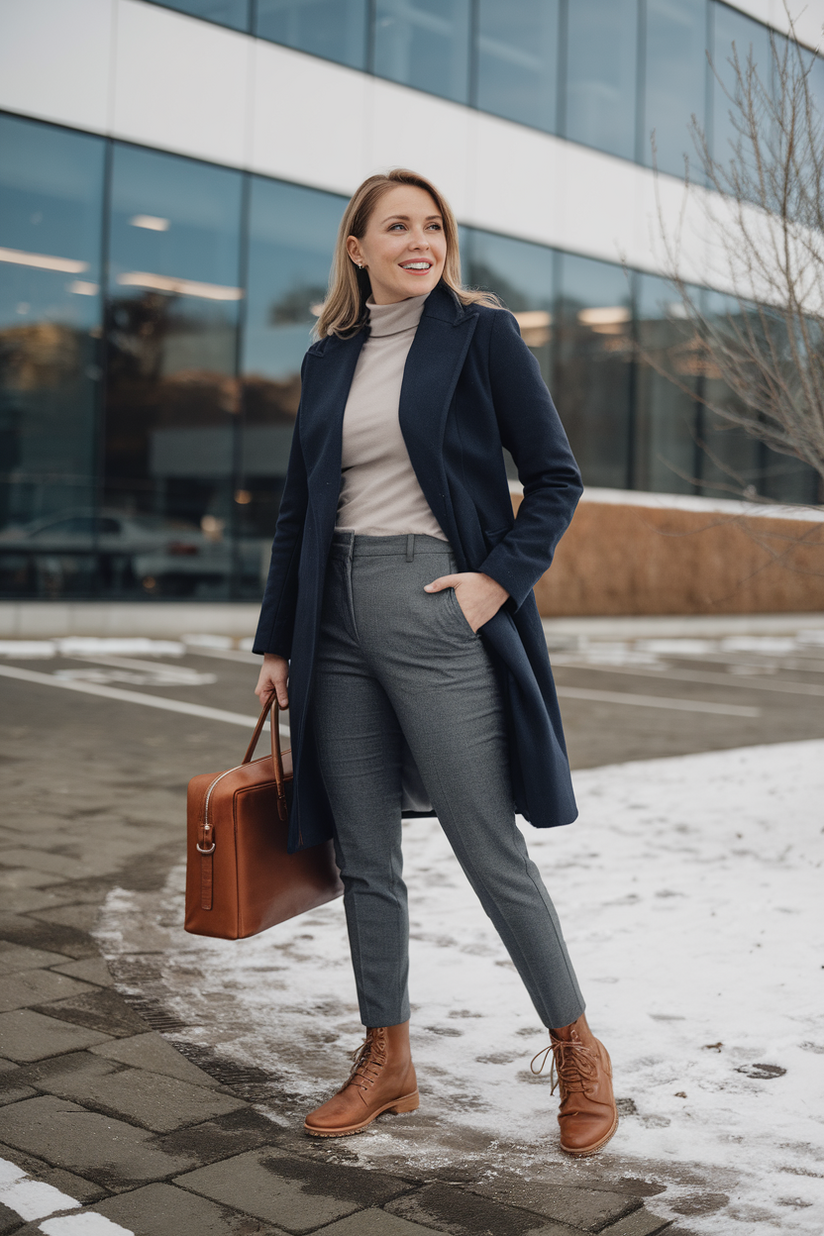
354,250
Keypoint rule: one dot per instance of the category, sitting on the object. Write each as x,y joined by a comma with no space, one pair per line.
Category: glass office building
157,293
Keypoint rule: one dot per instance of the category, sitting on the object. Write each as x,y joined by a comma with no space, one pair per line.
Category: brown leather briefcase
239,878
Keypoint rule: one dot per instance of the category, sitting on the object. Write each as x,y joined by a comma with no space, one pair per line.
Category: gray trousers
393,663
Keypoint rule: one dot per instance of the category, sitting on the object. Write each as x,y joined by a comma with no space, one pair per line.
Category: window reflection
172,344
232,13
521,274
668,458
602,55
291,238
593,386
675,76
733,35
517,58
424,43
51,193
334,29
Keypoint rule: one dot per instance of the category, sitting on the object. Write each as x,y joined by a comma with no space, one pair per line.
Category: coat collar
433,367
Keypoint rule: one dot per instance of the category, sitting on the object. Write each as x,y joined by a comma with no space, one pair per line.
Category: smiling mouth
416,266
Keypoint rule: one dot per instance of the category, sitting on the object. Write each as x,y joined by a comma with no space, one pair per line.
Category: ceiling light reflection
152,223
181,287
608,315
43,261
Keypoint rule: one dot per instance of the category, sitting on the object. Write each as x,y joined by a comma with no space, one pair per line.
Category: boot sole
583,1151
407,1103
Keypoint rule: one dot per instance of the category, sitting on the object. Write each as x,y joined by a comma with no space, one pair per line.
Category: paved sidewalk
100,1115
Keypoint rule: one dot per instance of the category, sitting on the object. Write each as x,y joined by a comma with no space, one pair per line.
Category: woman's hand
273,677
479,596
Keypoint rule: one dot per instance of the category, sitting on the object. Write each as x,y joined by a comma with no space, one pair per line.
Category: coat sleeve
277,614
532,432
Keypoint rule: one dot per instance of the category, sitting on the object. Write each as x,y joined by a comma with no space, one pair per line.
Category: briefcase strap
277,754
206,832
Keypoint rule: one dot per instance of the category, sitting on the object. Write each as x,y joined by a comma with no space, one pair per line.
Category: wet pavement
102,1115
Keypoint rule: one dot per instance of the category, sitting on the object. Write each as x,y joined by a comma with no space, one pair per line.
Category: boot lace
368,1060
573,1067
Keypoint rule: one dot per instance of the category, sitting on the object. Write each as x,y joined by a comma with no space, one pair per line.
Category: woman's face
404,248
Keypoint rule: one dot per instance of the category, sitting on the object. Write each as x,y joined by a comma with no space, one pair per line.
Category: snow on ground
690,892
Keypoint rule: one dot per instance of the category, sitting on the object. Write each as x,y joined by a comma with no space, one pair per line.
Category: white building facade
171,180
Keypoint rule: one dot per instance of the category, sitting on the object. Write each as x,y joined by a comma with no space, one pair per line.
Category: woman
399,611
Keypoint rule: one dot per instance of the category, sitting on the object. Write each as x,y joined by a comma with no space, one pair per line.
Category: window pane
334,29
517,58
522,275
667,448
291,239
232,13
731,460
593,385
51,195
424,43
676,68
734,35
601,75
172,395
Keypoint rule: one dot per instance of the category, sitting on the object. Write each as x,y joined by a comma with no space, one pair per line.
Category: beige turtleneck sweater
380,494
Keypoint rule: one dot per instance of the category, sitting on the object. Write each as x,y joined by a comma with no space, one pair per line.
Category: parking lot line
785,686
656,701
132,697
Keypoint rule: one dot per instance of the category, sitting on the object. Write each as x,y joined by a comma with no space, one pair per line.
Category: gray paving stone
81,1190
158,1103
13,1086
163,1210
61,1075
590,1209
53,937
241,1130
151,1052
15,957
41,860
375,1223
26,1035
99,1008
22,900
9,1220
450,1209
641,1223
296,1194
108,1151
82,916
29,987
27,877
90,970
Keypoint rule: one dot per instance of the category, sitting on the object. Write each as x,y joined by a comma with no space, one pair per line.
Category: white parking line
133,697
32,1199
785,686
657,701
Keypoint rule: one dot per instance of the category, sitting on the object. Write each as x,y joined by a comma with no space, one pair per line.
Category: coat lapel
432,370
326,384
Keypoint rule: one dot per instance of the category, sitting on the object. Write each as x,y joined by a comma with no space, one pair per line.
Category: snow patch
690,896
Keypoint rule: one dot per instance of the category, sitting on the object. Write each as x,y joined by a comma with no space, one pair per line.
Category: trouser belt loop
410,547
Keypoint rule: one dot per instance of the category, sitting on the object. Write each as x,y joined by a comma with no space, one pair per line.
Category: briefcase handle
271,706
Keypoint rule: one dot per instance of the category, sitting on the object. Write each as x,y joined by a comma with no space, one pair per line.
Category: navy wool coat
470,385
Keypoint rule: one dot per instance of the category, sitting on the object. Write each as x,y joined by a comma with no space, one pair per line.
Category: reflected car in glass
72,552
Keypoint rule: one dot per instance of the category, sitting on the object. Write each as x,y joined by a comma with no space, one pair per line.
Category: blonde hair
344,311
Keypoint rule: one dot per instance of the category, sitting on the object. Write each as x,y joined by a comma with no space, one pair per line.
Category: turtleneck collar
392,319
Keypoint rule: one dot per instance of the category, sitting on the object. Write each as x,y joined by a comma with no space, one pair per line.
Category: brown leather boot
382,1080
581,1069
